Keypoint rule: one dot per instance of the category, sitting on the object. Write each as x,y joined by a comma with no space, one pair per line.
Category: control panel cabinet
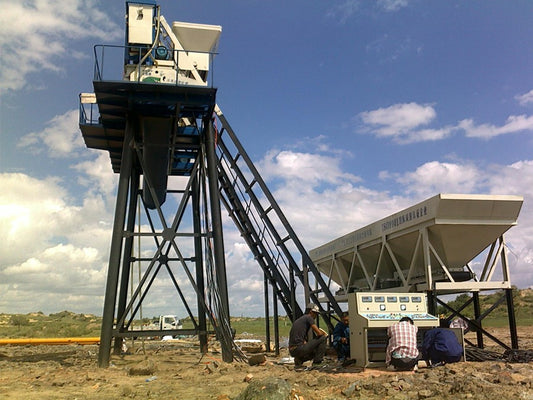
371,313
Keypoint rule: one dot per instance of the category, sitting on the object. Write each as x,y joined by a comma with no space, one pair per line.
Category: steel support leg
477,314
512,318
116,249
199,263
126,259
267,313
432,304
218,241
276,321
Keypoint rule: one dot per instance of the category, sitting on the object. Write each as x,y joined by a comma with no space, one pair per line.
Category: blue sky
352,110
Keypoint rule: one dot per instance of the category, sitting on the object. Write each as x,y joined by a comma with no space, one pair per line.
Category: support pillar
432,303
276,321
218,242
477,314
267,313
116,248
126,259
509,296
512,318
199,263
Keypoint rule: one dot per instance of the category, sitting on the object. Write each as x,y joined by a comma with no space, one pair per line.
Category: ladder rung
250,185
284,239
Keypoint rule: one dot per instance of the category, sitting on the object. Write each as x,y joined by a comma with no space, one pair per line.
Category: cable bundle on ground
476,354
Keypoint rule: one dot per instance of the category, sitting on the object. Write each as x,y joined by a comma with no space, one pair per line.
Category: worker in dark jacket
300,347
341,338
441,346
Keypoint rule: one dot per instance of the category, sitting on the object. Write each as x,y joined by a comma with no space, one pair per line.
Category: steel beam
198,261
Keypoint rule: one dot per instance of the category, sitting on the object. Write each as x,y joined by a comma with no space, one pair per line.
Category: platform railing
110,63
89,114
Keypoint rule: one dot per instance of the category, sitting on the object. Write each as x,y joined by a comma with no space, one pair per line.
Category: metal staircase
265,229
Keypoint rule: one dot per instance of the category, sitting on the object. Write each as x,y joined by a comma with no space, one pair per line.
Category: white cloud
35,35
514,124
399,118
60,138
402,122
517,179
30,266
48,238
318,215
437,177
343,11
307,168
97,175
426,135
249,284
31,211
59,254
60,250
514,179
50,245
392,5
314,190
525,98
52,276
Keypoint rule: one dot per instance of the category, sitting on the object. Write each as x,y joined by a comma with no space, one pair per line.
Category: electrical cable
221,320
156,36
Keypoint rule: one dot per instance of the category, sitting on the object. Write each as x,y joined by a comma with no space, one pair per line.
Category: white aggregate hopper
429,242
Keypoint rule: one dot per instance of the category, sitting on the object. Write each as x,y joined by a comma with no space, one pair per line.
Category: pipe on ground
53,341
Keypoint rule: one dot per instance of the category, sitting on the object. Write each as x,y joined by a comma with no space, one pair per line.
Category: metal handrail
101,50
88,110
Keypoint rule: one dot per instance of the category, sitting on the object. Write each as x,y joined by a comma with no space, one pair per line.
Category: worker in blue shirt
341,338
441,346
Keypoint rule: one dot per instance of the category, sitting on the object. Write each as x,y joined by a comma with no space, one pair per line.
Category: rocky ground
178,371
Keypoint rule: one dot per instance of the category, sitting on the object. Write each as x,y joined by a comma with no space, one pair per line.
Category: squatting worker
300,347
441,346
402,352
341,337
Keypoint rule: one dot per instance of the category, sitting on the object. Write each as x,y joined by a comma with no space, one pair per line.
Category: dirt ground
177,370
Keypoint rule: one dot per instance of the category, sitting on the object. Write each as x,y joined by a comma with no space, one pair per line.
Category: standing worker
300,347
402,351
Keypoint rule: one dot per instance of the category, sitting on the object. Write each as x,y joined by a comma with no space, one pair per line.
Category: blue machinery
178,159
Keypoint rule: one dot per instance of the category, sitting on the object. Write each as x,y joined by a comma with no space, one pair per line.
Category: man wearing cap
300,347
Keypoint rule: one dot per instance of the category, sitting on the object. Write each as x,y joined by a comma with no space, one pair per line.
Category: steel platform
117,99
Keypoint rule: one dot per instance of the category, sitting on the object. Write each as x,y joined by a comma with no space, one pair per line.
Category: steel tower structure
156,123
166,138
